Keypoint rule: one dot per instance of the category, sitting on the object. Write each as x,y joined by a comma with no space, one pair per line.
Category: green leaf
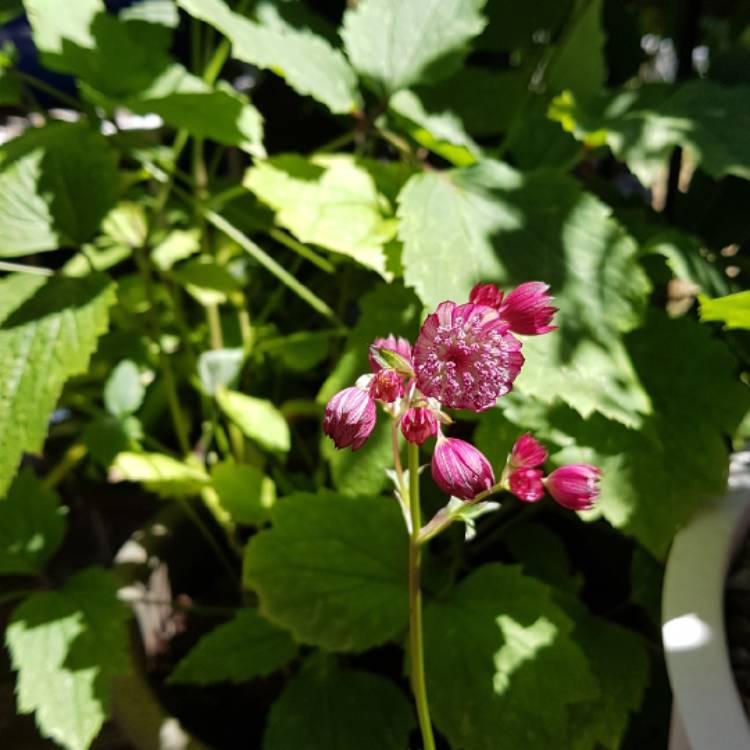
91,44
244,492
178,245
218,113
326,707
258,419
219,368
441,132
328,200
124,391
732,310
160,473
48,331
32,525
512,228
126,224
501,637
67,645
644,125
620,666
395,44
578,62
238,651
332,569
56,185
306,61
208,281
162,12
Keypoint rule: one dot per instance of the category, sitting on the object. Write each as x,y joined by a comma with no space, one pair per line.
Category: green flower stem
416,645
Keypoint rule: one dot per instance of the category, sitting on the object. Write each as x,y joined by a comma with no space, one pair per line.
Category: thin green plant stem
170,385
70,459
302,250
61,96
336,143
397,465
221,53
261,256
23,268
205,532
416,641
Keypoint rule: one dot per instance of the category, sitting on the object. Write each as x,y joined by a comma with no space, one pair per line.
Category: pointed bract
399,345
486,294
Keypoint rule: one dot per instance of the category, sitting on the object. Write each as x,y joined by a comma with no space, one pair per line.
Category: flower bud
349,418
486,294
386,386
527,453
528,309
526,484
418,424
575,486
399,345
459,469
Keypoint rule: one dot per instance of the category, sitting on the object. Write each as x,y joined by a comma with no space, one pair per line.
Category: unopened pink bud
527,453
528,309
575,486
386,386
399,345
349,418
526,484
486,294
459,469
418,424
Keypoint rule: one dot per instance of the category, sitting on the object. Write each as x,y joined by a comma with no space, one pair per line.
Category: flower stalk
416,644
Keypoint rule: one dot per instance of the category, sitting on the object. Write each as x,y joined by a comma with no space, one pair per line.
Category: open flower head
465,357
350,417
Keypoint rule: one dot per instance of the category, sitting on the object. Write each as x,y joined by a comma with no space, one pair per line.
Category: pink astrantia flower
575,486
527,453
459,469
527,309
399,345
349,418
386,386
465,357
526,484
418,424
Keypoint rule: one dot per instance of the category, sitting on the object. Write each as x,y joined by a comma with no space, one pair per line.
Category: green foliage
332,569
160,473
245,647
56,185
501,637
329,201
643,126
48,330
306,61
32,525
258,418
124,391
394,45
66,646
733,310
244,492
362,710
